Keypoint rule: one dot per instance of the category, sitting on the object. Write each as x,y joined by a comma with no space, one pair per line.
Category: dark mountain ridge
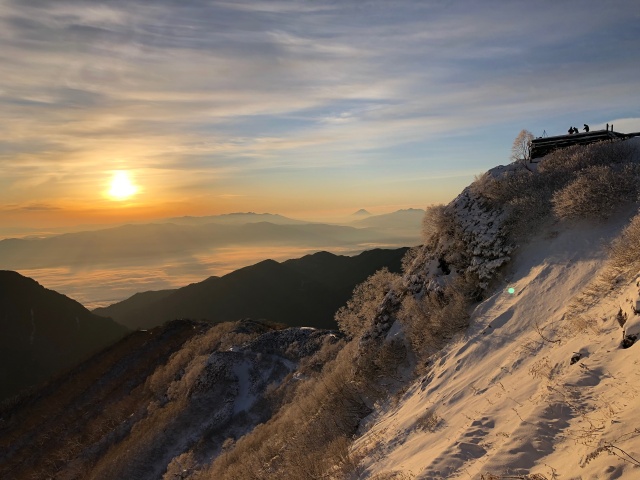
299,292
405,221
43,332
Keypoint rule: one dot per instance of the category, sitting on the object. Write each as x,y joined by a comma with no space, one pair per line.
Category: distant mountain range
239,218
300,292
43,332
151,241
404,222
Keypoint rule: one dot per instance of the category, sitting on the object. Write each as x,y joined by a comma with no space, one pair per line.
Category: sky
309,109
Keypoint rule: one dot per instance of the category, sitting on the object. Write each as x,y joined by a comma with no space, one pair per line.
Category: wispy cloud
40,207
212,94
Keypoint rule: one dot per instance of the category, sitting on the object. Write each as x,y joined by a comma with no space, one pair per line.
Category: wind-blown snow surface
505,398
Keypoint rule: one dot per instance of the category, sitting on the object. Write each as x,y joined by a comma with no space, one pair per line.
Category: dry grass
429,421
532,476
74,422
542,369
396,475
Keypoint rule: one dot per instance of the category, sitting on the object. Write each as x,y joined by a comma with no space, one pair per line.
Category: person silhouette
586,128
607,127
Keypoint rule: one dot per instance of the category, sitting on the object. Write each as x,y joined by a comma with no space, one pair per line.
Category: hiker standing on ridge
586,128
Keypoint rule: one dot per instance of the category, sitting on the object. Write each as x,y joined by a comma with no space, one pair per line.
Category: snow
507,397
244,399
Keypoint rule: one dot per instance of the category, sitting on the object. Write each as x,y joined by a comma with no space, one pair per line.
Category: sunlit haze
121,186
307,109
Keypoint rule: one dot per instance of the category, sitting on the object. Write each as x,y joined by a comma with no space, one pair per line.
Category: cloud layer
292,106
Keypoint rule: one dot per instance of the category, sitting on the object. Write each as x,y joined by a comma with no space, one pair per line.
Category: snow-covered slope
506,398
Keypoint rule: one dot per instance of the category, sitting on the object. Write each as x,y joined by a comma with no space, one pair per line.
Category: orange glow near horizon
152,203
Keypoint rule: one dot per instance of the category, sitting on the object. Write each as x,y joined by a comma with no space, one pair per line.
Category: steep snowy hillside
524,390
543,382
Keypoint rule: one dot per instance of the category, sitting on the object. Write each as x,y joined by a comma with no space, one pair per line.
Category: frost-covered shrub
467,239
359,312
527,194
597,192
465,247
625,250
568,161
431,319
500,186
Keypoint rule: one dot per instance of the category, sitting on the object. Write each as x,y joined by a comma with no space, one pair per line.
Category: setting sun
121,186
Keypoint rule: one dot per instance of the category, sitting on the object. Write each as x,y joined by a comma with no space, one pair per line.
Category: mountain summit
361,213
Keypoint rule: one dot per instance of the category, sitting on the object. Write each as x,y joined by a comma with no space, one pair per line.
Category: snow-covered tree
521,149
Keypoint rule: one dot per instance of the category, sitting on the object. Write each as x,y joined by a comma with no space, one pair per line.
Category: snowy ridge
507,398
477,245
